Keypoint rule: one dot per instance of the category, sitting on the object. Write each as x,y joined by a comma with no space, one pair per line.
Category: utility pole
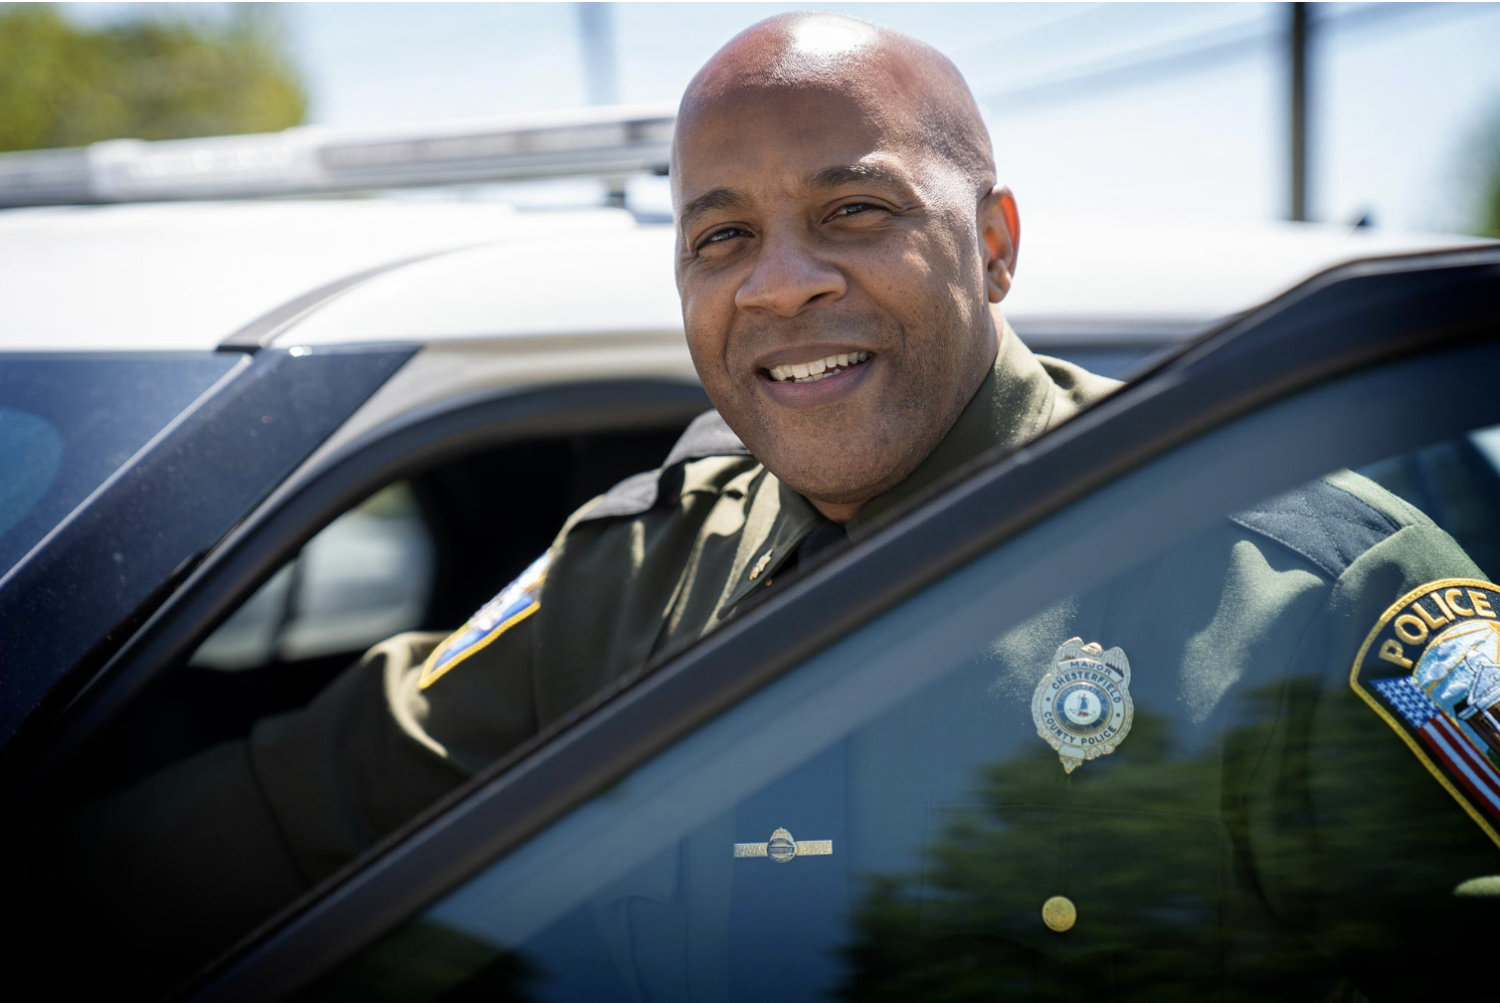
596,33
596,28
1297,53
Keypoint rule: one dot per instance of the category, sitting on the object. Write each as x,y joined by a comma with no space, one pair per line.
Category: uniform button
1059,914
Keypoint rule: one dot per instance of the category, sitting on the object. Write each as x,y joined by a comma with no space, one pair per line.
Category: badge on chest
1082,706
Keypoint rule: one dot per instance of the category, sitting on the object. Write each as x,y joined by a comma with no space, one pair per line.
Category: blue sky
1095,109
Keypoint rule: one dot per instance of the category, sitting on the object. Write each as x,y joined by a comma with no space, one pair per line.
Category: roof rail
306,160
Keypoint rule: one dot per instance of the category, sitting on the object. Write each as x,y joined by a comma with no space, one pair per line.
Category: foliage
162,77
1174,902
1477,180
1489,206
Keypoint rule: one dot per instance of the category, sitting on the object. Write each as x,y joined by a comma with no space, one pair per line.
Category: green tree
156,77
1478,177
1489,206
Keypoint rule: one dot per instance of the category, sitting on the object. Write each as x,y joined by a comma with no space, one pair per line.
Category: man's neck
835,512
1011,405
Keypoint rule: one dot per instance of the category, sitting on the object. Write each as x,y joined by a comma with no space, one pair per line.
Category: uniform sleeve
378,745
1356,842
421,712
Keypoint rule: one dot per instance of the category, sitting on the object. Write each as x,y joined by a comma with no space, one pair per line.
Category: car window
1200,775
67,422
367,576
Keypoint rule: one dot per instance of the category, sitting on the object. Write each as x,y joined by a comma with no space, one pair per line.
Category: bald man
842,253
841,242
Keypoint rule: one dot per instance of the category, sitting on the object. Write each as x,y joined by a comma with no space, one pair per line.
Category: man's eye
853,209
722,236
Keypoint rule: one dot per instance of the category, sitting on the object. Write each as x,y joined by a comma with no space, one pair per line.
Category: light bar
607,143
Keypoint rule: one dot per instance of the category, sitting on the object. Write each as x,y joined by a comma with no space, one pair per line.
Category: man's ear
1000,230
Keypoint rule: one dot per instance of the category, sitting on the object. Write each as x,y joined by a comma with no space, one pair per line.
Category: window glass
1116,361
31,452
366,576
1236,794
68,422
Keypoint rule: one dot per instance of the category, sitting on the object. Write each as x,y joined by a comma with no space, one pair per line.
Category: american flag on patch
1443,740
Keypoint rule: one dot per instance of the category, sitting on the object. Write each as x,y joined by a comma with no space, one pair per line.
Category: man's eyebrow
827,178
710,201
853,174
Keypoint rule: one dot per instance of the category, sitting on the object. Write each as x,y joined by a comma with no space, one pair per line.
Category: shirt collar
778,521
1012,406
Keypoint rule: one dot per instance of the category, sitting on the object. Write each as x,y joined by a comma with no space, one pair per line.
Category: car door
850,792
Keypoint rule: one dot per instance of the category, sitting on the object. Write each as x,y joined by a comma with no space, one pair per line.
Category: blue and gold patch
516,602
1431,669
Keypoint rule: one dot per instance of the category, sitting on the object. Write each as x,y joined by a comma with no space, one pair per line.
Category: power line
1025,31
1206,50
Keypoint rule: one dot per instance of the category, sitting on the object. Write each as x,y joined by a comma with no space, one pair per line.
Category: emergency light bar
607,143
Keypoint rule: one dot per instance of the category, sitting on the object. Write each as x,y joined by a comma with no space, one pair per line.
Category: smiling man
840,239
842,249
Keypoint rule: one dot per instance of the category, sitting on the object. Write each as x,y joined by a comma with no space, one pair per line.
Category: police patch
1431,669
1082,706
516,602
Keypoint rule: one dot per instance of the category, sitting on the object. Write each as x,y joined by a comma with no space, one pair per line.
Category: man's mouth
817,369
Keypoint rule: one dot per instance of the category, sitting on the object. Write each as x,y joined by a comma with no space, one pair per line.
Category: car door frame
1356,329
204,595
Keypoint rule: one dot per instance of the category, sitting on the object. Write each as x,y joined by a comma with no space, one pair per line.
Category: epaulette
1325,523
706,436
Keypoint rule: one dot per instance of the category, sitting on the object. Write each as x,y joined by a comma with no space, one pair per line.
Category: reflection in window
68,422
1260,831
1457,484
30,453
365,577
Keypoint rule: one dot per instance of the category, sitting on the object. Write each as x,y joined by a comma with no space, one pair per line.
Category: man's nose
787,277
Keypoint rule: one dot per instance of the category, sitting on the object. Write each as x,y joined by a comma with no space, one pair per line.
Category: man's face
810,237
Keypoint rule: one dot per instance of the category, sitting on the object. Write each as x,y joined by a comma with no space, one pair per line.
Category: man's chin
838,466
837,488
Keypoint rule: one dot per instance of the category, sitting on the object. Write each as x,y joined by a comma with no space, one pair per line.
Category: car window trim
1307,337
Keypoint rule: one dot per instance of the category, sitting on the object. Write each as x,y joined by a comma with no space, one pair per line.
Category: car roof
185,276
192,276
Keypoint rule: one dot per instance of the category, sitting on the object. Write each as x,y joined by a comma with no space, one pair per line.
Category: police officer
842,249
840,243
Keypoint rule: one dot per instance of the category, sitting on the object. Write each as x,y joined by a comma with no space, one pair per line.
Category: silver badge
1082,706
782,847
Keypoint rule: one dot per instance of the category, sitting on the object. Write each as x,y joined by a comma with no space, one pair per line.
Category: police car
244,440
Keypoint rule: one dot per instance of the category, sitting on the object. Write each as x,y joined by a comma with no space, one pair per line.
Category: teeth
817,369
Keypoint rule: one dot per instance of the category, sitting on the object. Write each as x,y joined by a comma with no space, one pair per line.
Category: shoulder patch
708,435
516,602
1324,523
1431,669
